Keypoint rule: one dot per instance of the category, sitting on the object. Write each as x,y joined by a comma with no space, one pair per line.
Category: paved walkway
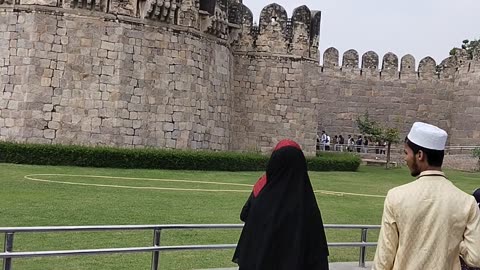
333,266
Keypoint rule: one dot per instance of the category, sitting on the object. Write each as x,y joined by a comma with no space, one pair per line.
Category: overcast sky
418,27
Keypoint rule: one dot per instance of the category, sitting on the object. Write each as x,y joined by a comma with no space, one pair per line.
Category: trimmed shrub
72,155
334,162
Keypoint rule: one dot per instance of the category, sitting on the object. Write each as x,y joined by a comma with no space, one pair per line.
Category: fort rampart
192,74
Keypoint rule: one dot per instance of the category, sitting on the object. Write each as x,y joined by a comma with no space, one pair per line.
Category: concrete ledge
333,266
379,162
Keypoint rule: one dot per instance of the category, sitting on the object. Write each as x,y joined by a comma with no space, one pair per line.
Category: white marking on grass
32,177
337,193
143,179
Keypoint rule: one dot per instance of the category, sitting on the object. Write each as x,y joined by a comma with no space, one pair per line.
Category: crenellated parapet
330,58
427,67
274,30
407,64
229,20
370,60
350,59
392,67
276,33
390,64
315,34
448,66
220,18
242,16
300,36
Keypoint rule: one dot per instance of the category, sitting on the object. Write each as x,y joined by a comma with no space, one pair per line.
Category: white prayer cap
428,136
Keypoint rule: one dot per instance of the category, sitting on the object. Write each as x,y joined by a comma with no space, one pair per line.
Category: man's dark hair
434,157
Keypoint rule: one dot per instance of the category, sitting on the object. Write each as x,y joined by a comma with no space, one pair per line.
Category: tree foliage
470,46
369,127
476,153
373,129
380,132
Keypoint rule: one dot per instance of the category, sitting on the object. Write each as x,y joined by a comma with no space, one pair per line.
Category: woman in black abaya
283,225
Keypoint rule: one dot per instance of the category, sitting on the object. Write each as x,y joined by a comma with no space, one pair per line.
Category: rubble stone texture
167,74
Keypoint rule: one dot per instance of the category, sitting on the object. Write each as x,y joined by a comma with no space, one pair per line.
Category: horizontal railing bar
347,226
397,147
146,249
151,227
118,228
111,250
353,244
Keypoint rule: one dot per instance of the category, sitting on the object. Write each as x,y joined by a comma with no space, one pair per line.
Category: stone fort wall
88,78
202,75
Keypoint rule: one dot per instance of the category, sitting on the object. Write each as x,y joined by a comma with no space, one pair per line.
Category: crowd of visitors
362,144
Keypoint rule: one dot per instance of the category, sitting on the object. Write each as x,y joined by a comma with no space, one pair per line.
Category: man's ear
421,155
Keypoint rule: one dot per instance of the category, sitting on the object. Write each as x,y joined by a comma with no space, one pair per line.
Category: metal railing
8,254
395,149
460,149
355,148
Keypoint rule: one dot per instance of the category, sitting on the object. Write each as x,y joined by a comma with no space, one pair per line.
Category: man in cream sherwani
428,223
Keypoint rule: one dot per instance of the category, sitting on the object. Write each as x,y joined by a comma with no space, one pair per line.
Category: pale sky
418,27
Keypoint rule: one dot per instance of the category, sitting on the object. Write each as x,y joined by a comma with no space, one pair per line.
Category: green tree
476,153
378,132
468,45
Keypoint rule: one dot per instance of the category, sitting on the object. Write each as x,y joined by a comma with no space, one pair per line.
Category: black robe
283,225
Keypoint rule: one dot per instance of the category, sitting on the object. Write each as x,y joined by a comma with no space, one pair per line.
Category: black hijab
283,225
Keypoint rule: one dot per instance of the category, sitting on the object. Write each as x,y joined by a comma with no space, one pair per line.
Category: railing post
363,249
8,247
156,254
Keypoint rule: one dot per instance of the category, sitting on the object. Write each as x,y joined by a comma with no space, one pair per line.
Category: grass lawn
30,203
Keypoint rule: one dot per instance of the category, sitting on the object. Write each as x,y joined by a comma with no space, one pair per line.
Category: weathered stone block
9,122
137,124
53,125
49,134
170,143
168,127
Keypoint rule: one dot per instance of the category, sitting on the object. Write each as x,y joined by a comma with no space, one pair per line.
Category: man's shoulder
417,187
399,190
405,190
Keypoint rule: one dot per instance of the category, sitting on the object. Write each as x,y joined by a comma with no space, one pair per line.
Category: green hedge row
109,157
334,162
